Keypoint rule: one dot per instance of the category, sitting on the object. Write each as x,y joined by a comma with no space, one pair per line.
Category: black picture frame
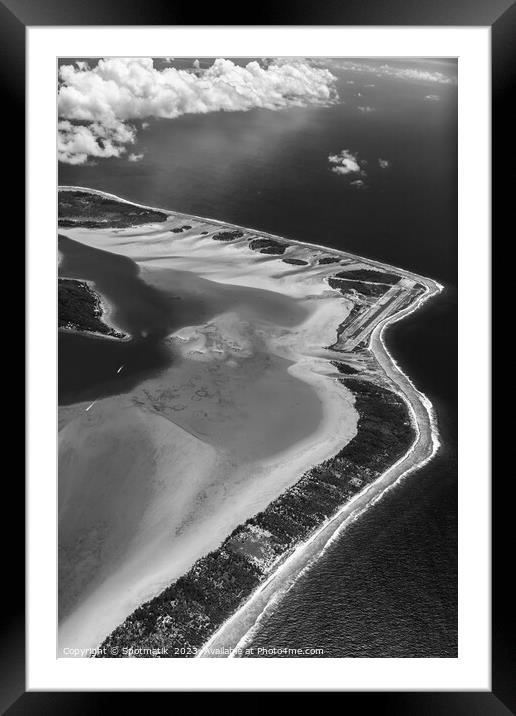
500,15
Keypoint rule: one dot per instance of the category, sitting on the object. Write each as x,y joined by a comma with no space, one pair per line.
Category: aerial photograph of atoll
257,357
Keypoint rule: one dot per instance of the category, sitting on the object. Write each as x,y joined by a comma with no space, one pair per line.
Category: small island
80,309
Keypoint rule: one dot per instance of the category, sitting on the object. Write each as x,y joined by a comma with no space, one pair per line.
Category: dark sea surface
388,585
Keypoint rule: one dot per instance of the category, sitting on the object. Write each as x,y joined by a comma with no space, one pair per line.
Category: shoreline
327,533
171,212
419,407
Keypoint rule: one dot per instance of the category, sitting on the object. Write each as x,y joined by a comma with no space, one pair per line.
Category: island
80,309
281,417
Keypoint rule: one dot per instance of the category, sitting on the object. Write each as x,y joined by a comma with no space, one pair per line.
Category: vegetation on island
369,275
92,211
180,229
228,235
80,309
374,290
267,246
295,262
329,260
344,368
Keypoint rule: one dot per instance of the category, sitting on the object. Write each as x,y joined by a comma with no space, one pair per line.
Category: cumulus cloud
135,157
365,109
346,163
349,164
76,143
116,91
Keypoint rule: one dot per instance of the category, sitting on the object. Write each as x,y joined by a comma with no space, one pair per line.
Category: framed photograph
258,354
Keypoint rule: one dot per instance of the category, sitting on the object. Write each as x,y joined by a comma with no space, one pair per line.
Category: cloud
346,163
120,90
77,142
349,164
135,157
432,98
395,71
365,109
414,74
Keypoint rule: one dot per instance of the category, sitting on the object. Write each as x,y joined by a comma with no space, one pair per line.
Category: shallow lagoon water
88,364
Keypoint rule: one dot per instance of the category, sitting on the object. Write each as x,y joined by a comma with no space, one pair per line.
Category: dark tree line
369,275
77,208
228,235
267,246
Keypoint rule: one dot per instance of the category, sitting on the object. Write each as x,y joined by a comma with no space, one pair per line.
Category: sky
103,104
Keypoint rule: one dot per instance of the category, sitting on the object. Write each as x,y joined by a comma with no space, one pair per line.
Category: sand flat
152,480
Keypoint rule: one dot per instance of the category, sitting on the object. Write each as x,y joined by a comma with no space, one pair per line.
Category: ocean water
388,585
